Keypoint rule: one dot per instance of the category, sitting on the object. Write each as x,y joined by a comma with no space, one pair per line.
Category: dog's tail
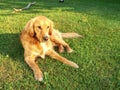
70,35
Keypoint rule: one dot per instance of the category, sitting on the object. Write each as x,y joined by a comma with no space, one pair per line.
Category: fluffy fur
39,39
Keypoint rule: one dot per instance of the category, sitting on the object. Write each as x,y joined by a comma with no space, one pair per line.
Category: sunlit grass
97,53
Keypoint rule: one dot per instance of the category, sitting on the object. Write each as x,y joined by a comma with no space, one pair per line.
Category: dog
39,39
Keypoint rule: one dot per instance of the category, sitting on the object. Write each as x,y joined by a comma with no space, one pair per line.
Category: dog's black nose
45,38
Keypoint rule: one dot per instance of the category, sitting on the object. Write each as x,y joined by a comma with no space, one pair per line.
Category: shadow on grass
107,9
10,46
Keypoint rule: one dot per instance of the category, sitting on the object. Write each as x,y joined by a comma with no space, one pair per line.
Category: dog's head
40,27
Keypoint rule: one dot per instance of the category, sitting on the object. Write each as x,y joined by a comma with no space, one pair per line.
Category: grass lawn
97,53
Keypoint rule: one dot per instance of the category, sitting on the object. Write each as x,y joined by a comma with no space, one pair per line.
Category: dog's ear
51,28
30,27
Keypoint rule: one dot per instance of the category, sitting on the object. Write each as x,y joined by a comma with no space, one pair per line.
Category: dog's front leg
30,60
56,56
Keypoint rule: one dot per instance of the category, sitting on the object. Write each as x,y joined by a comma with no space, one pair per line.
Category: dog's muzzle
45,38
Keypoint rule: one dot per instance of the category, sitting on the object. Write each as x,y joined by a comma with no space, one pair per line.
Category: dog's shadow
10,46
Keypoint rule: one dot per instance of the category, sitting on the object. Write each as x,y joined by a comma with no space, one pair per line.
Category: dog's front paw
38,76
69,50
74,65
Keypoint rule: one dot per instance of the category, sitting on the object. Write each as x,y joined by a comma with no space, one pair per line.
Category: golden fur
38,40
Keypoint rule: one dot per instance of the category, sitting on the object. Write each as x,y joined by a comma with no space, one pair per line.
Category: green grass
97,53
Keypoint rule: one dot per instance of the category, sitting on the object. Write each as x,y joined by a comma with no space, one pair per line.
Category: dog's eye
39,27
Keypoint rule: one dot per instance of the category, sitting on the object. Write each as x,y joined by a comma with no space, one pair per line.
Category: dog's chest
45,48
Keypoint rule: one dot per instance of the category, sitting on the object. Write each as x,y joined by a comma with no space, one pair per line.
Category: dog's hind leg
60,41
60,48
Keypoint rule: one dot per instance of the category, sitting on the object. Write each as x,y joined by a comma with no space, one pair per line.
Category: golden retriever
38,40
